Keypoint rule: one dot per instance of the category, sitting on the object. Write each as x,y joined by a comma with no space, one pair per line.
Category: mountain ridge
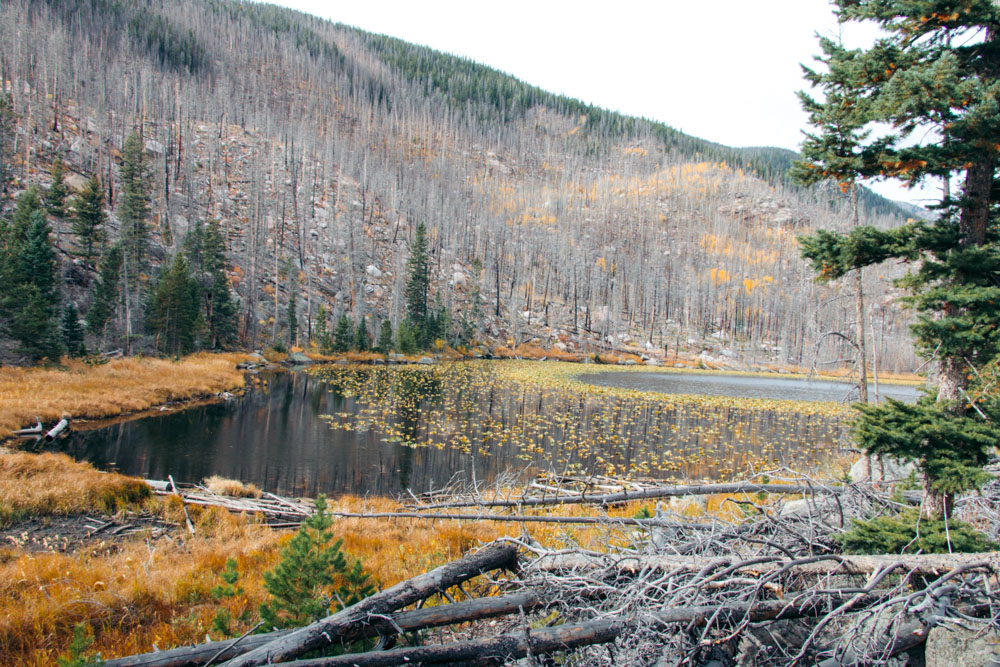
318,155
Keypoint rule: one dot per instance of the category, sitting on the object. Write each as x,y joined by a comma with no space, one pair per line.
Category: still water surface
383,431
746,386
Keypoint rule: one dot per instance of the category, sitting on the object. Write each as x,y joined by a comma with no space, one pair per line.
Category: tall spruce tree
292,317
29,299
55,197
343,334
89,218
107,293
72,332
934,80
323,340
133,211
6,144
384,344
205,251
173,311
835,153
418,284
362,341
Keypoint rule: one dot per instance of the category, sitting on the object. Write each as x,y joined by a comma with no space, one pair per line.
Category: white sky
723,70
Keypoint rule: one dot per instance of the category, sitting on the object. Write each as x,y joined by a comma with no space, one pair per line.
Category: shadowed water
384,431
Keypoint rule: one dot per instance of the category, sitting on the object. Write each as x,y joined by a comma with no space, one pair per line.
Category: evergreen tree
6,144
135,202
362,342
173,311
917,77
293,322
205,251
72,332
29,275
417,284
406,338
89,218
323,340
313,576
343,334
55,196
384,344
835,153
106,292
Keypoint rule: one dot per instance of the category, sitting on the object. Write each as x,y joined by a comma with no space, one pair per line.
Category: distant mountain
319,147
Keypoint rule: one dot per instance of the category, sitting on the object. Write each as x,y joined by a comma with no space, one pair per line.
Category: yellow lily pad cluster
539,416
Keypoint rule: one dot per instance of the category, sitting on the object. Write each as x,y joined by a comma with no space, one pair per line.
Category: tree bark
407,621
323,632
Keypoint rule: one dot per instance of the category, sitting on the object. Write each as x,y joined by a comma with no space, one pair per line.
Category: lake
377,430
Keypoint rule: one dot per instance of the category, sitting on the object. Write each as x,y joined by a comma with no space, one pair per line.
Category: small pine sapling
313,576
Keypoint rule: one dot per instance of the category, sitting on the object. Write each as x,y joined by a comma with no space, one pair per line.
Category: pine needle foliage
909,534
937,67
313,577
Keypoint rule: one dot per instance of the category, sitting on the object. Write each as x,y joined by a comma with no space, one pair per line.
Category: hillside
319,147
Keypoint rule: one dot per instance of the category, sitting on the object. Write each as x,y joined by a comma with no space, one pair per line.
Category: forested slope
319,148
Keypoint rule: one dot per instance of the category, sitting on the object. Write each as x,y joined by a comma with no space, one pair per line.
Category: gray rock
654,362
882,469
823,508
948,646
299,359
426,361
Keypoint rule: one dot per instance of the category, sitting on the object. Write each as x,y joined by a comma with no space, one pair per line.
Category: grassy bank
143,591
118,387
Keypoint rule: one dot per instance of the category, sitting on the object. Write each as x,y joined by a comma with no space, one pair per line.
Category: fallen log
916,564
494,556
407,621
519,518
31,430
57,430
505,648
643,494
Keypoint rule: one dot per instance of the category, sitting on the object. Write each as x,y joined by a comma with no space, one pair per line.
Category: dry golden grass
231,487
144,592
118,387
42,484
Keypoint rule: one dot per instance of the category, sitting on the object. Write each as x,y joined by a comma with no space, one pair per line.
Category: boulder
949,645
299,359
654,362
426,361
373,271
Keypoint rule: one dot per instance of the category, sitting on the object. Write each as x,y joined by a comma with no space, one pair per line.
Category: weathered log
520,518
57,430
917,564
494,556
505,648
643,494
31,430
407,621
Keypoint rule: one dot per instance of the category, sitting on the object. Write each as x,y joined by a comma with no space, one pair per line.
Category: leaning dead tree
772,588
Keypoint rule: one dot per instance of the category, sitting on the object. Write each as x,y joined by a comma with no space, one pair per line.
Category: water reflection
383,431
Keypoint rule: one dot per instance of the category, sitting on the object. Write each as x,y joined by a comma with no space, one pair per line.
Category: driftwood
37,429
57,430
406,621
498,650
324,632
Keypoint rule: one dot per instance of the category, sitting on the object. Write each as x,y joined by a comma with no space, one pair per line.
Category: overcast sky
724,70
